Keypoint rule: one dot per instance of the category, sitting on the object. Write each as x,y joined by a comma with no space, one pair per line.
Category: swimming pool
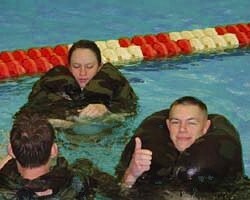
221,80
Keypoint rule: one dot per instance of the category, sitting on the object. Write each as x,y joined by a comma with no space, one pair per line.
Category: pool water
219,79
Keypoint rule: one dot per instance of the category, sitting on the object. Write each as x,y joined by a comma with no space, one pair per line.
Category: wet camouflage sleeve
58,95
215,156
53,93
111,88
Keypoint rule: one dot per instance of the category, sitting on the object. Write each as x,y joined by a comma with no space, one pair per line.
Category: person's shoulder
161,114
58,77
4,161
109,65
221,124
58,70
9,165
154,124
110,69
111,72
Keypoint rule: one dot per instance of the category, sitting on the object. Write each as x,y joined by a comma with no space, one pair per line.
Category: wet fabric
62,180
58,95
212,159
238,189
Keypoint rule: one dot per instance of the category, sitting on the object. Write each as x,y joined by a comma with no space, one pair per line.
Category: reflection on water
180,62
100,140
83,129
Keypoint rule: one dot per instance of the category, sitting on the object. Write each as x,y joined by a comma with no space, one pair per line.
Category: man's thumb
137,143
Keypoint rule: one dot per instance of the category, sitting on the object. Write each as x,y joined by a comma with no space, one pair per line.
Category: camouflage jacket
216,155
81,180
58,95
61,179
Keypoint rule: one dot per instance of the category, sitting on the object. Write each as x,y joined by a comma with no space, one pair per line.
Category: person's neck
33,173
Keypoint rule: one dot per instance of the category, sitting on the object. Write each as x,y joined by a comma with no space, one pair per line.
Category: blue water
221,80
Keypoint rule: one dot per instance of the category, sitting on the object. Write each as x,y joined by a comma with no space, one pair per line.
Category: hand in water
93,110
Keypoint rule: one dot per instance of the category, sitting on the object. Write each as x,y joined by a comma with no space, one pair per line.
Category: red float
243,39
185,46
42,64
61,50
124,42
6,56
243,28
4,72
148,52
151,39
173,49
161,49
47,52
34,53
20,55
30,66
138,40
232,29
15,69
56,60
163,37
221,30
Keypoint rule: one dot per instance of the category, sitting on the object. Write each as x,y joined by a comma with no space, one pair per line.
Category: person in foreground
85,88
30,172
184,145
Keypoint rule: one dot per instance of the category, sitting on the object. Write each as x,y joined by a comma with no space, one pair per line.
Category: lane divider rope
127,50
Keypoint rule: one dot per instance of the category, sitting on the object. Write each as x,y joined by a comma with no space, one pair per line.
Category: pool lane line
127,50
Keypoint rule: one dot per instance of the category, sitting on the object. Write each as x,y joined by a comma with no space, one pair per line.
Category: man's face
186,123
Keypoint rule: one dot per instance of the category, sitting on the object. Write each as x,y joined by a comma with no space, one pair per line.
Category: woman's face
83,65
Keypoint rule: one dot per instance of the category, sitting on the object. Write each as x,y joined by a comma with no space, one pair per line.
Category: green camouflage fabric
81,180
64,182
235,190
58,95
213,157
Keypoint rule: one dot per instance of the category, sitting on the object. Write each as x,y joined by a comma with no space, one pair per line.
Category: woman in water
86,88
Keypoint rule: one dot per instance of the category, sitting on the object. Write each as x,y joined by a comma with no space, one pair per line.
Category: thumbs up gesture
140,162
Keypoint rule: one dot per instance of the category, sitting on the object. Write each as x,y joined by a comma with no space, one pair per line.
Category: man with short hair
187,121
181,142
30,172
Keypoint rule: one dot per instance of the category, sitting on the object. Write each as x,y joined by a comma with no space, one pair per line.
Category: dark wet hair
190,100
86,44
31,138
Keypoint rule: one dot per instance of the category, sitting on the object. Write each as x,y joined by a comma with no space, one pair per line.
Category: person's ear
167,122
54,150
10,151
206,127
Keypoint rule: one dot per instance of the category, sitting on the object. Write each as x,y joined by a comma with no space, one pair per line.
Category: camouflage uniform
58,95
61,179
81,180
215,156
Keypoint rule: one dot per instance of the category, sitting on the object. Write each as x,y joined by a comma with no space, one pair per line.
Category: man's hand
140,162
93,110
